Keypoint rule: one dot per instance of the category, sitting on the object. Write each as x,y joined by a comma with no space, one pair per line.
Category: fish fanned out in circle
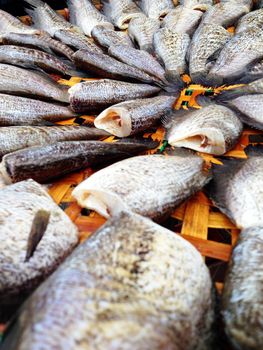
212,129
236,190
13,138
20,273
47,162
85,15
99,94
110,282
120,12
131,117
141,30
150,185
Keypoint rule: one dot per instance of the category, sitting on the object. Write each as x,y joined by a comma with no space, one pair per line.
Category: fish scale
156,9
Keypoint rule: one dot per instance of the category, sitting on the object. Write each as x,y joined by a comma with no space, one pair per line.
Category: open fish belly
19,204
132,275
134,184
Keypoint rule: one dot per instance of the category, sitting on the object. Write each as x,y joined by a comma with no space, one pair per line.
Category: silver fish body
139,59
202,5
47,162
16,110
8,24
99,94
45,18
251,20
172,47
85,15
212,129
131,117
225,14
207,41
107,37
242,50
108,67
120,12
182,20
141,30
76,40
110,282
13,138
31,58
236,190
156,9
39,42
134,185
24,82
249,108
19,203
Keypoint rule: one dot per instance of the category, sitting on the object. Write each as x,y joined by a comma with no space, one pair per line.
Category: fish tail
201,79
204,101
254,151
229,95
174,79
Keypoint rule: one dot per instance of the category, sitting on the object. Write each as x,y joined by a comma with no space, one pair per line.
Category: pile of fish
134,284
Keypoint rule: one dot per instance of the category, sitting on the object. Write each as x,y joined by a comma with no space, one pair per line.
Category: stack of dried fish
134,285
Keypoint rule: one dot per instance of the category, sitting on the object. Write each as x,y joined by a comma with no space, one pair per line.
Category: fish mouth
103,202
114,120
206,141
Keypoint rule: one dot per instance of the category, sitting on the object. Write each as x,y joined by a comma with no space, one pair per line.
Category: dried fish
13,138
26,261
8,24
37,41
235,189
85,15
44,163
151,185
172,47
108,67
156,9
131,117
205,46
24,82
99,94
132,275
36,59
107,37
182,20
212,129
120,12
16,110
253,19
141,30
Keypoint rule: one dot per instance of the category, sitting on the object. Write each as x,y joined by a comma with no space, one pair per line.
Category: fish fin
39,227
230,94
204,101
34,3
148,144
217,189
200,78
254,151
174,79
180,151
212,58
